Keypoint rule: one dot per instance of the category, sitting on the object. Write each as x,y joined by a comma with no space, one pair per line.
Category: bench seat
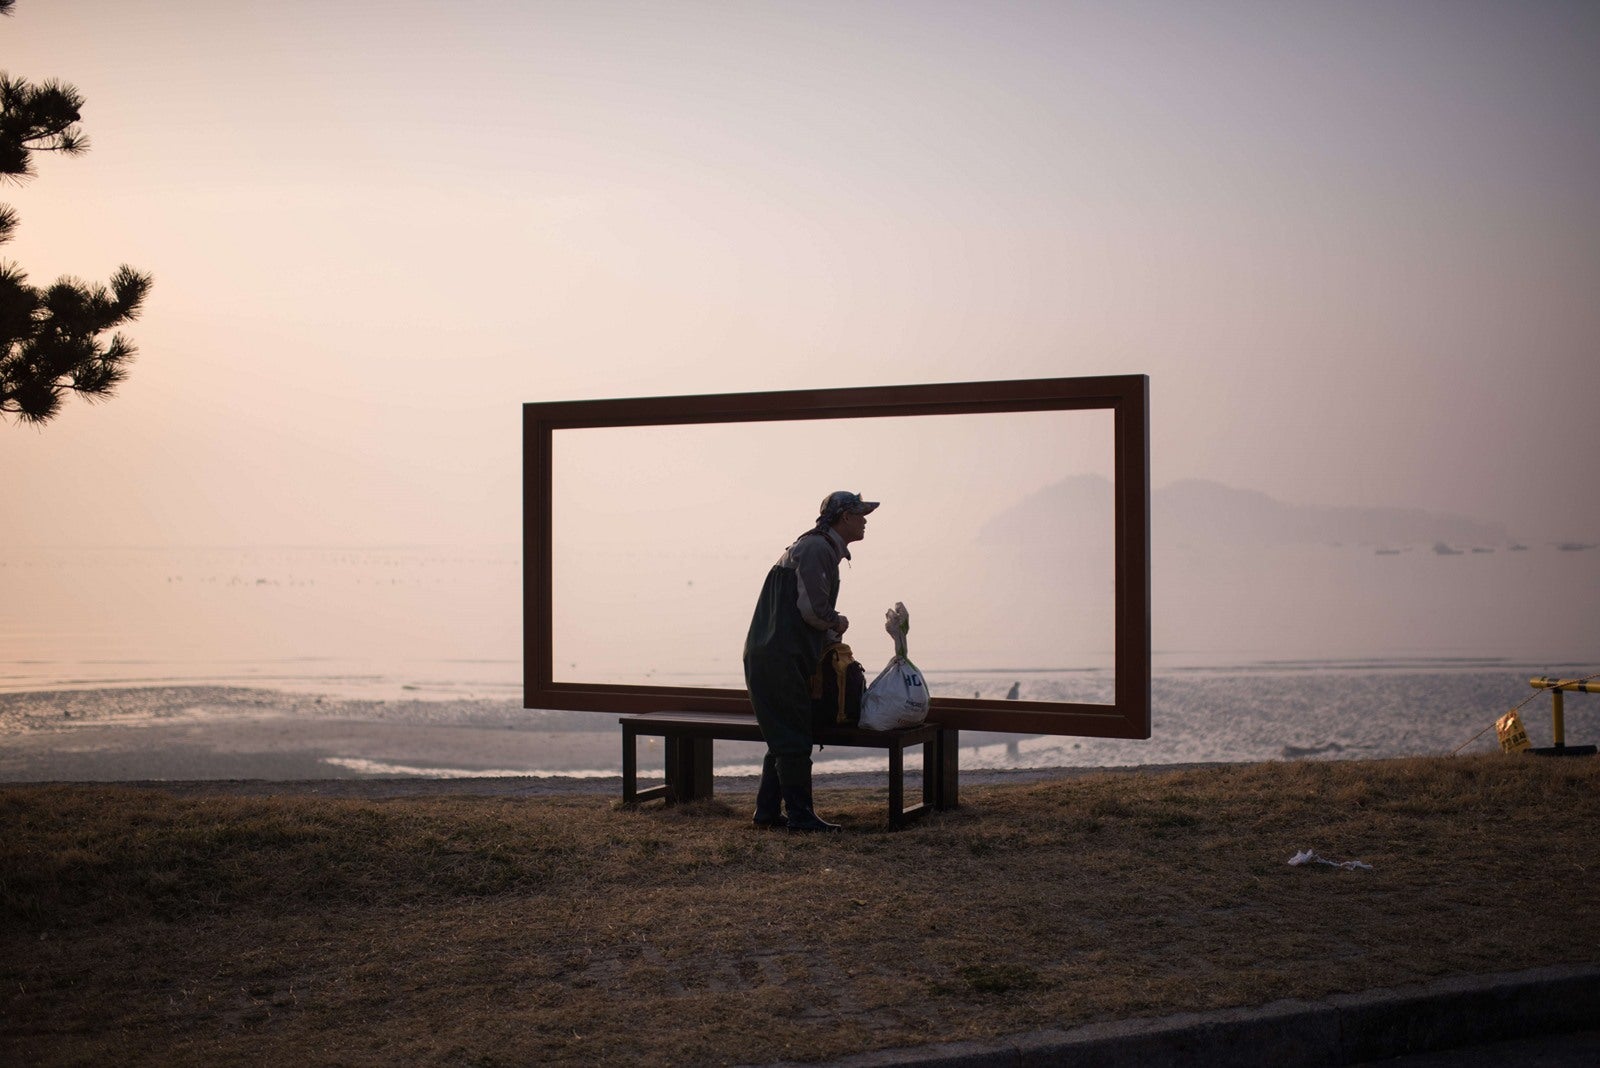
689,735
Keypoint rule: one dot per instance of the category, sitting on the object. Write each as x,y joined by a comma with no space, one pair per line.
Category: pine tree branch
50,339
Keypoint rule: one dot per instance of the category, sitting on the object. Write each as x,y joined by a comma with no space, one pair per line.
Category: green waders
781,652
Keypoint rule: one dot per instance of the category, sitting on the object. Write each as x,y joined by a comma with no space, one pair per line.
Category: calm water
374,623
1274,710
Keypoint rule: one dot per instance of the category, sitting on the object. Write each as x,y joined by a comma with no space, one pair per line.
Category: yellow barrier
1558,707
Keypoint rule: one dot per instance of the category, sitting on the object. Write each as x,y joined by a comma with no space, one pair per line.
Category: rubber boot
794,776
769,796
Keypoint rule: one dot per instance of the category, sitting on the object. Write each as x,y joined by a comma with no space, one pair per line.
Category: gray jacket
815,562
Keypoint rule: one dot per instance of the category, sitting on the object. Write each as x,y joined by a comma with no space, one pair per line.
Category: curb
1344,1029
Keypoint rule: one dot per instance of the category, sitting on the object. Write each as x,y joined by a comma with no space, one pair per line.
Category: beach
1279,711
201,732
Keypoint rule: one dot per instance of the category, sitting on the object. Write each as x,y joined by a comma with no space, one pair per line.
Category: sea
102,643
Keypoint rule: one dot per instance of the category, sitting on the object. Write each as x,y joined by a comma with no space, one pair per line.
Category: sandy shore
188,732
281,755
239,735
185,733
290,748
241,741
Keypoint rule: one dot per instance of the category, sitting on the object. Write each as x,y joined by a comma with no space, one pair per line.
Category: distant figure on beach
796,617
1011,694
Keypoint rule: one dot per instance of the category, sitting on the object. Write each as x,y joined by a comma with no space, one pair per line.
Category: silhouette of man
795,618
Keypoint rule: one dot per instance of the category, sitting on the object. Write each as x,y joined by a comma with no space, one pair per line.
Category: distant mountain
1077,510
1197,509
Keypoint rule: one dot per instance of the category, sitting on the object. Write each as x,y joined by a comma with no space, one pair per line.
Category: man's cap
839,502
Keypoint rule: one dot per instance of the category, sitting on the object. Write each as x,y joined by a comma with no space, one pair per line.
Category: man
795,619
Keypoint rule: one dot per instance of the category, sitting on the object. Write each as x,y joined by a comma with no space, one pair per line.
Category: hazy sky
1356,246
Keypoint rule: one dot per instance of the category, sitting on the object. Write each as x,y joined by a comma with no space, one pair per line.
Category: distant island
1200,511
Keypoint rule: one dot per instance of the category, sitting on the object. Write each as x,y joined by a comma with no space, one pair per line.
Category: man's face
851,527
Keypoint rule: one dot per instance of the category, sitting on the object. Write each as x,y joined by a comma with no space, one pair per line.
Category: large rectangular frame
1128,396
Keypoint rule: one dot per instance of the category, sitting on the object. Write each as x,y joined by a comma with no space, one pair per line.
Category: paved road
1581,1049
1344,1029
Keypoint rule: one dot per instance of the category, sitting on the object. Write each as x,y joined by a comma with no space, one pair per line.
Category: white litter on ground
1308,857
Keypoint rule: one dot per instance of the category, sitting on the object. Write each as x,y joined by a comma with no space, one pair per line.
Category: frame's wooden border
1128,396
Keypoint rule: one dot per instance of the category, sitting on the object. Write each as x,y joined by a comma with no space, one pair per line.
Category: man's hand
842,626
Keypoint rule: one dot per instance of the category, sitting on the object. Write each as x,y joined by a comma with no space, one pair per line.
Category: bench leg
897,784
688,769
630,765
631,794
899,815
949,755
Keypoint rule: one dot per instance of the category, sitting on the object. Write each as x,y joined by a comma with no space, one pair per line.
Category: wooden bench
689,735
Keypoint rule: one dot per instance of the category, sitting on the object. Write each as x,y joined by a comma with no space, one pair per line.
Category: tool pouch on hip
836,688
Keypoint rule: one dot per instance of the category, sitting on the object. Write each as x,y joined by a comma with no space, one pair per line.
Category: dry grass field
145,927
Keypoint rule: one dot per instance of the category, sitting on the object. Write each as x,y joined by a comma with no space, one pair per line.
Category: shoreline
223,732
513,786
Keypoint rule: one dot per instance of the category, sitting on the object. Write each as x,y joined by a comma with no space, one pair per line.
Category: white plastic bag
898,697
1306,856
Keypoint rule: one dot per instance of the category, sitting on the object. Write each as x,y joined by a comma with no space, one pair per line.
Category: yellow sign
1513,738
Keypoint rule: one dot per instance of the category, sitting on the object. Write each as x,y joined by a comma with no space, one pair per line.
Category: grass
141,927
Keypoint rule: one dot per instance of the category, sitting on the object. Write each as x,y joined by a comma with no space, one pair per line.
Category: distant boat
1444,550
1388,552
1575,546
1481,549
1516,547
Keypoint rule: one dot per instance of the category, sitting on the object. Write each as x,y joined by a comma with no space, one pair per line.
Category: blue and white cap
838,503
